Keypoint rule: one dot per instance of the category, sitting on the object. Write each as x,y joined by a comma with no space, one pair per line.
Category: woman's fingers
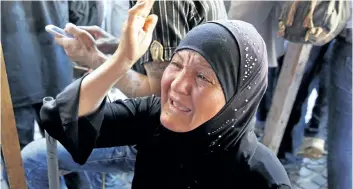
150,23
70,46
148,27
63,41
83,36
142,8
138,14
137,31
95,31
73,30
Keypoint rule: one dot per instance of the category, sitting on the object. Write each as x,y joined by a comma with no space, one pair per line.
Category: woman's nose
182,83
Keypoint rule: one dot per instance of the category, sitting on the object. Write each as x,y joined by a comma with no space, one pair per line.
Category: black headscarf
237,54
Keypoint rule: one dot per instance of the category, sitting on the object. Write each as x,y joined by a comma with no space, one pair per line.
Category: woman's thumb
150,24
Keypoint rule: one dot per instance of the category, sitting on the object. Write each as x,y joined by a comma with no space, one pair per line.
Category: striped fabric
177,17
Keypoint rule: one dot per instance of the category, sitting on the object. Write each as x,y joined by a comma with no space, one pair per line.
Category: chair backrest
9,138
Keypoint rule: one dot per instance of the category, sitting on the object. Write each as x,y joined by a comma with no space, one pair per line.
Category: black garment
151,172
221,153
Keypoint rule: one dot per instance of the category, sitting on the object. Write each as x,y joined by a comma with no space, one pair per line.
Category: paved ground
310,174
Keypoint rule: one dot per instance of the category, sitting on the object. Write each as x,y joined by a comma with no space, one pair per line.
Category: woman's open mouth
178,106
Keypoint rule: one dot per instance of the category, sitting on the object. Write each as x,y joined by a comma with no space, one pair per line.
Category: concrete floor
310,174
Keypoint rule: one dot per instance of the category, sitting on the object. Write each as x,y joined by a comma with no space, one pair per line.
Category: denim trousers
106,168
339,164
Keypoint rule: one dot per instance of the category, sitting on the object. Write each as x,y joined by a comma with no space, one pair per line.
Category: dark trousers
25,117
312,71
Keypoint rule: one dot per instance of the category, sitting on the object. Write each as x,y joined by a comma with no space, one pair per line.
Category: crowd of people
176,94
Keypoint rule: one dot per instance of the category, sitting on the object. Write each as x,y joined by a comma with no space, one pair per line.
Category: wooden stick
9,137
286,91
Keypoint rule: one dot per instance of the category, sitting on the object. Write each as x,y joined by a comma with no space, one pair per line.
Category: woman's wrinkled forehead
253,54
189,56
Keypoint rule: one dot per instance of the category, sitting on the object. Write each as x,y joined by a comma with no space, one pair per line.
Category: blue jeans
339,139
106,167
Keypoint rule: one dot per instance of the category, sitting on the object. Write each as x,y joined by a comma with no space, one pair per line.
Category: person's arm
123,122
108,45
134,84
154,72
83,50
80,118
105,42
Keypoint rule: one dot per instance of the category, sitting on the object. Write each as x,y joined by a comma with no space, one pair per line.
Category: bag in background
313,22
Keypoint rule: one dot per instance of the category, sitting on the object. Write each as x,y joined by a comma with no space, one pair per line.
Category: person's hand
82,48
137,32
105,42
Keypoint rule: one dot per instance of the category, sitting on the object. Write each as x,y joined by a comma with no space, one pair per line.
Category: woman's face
191,93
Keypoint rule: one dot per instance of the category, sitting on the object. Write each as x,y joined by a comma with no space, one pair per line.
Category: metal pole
52,158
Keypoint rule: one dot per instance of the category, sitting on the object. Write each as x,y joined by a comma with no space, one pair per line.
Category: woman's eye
175,64
201,76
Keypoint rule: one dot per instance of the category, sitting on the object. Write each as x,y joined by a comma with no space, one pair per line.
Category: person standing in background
35,65
115,13
339,139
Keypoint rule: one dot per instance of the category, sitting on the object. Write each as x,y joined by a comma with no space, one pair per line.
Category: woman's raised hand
137,31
